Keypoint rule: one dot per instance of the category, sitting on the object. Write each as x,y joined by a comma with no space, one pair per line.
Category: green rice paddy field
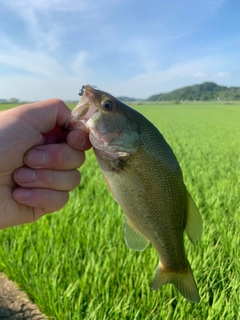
75,265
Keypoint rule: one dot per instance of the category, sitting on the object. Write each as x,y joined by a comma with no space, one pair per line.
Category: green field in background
75,265
5,106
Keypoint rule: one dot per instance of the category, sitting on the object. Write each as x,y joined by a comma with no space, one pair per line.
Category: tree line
200,92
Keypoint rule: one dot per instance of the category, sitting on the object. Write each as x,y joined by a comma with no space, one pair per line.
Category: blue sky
50,48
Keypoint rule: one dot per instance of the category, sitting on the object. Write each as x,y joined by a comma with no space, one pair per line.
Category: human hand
38,161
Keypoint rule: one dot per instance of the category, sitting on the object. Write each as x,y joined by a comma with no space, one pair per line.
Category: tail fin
184,282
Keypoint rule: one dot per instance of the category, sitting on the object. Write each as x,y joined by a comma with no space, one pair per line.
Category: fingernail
22,194
35,158
24,175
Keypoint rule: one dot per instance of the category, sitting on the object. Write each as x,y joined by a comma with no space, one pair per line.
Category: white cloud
199,75
31,88
222,74
61,5
48,37
176,76
37,62
79,65
43,5
57,81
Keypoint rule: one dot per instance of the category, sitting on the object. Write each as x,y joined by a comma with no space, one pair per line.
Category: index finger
44,115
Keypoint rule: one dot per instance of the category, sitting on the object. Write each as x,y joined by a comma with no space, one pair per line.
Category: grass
75,265
5,106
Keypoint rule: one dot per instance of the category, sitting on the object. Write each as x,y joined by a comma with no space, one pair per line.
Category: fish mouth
83,110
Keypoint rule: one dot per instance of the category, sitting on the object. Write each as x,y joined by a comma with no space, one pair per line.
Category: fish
146,180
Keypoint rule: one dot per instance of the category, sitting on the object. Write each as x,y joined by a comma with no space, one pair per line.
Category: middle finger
54,156
50,179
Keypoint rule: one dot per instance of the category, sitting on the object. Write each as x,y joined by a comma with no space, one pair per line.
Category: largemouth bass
145,178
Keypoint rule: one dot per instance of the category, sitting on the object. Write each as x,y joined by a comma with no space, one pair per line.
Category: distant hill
200,92
127,99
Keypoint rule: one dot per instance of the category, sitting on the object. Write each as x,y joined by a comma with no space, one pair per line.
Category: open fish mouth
83,110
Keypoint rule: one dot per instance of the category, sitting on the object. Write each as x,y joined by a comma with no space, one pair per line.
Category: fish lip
88,87
83,111
73,123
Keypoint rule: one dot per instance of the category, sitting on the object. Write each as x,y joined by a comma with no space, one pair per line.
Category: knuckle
44,198
56,101
64,157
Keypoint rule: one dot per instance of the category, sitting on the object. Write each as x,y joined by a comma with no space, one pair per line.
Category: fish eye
107,105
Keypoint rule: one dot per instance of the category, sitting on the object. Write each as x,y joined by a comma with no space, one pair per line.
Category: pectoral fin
194,220
134,239
131,177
